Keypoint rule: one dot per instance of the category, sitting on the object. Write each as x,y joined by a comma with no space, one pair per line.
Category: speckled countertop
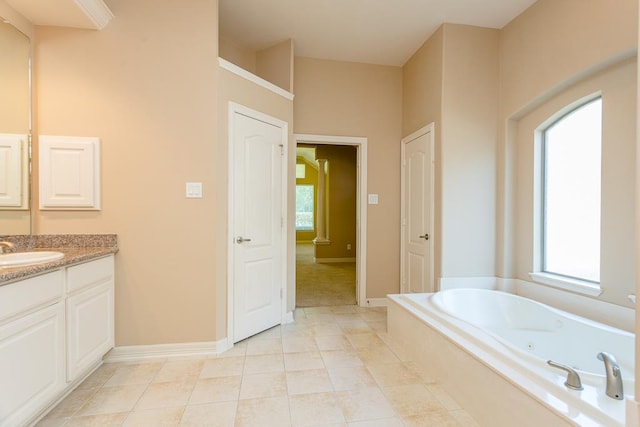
76,248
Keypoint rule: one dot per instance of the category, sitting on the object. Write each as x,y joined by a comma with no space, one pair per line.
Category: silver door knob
241,239
424,236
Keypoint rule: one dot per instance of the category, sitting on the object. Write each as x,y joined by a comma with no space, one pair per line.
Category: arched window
571,193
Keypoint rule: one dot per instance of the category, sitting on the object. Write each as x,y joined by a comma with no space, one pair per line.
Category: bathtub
491,347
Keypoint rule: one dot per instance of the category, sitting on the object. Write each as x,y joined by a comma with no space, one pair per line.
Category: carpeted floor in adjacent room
323,284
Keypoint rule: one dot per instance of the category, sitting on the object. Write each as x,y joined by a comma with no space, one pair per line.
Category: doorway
324,255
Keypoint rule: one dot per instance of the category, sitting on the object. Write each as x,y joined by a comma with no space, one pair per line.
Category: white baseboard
287,318
136,353
374,302
327,260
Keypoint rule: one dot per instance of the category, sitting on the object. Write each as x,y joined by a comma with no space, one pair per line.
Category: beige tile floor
334,366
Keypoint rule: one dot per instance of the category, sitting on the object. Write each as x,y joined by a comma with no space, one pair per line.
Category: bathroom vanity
56,324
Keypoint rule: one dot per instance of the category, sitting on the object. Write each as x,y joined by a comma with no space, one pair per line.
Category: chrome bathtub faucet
614,376
6,247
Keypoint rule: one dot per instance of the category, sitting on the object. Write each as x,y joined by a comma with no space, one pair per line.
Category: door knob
425,236
241,239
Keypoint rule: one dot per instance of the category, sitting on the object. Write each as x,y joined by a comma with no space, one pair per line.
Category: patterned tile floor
333,366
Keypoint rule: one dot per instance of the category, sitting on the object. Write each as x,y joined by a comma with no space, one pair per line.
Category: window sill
566,283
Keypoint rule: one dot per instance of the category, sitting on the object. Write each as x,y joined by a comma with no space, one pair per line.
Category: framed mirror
15,130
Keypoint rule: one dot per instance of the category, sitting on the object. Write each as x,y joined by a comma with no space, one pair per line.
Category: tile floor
334,366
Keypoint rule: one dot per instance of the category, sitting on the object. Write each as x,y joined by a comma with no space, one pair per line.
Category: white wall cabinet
54,330
69,170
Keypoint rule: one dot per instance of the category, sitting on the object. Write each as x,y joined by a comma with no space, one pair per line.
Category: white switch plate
373,199
194,190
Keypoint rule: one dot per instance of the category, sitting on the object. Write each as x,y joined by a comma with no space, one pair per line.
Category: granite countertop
77,248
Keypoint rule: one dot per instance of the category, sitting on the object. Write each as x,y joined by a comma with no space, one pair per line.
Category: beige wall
422,105
241,91
528,44
275,64
17,20
470,90
618,87
452,81
350,99
340,210
146,85
237,54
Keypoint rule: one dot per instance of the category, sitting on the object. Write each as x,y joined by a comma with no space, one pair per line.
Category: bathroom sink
23,258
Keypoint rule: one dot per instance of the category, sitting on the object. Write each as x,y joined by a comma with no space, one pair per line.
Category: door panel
257,195
417,199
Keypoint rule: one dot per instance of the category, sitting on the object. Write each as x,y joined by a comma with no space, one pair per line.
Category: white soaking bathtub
513,337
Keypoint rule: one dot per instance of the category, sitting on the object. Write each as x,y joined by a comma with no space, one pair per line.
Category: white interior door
417,195
257,224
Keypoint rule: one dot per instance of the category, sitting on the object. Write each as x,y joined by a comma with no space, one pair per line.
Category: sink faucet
614,376
6,247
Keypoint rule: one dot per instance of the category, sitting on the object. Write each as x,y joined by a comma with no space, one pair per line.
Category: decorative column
321,238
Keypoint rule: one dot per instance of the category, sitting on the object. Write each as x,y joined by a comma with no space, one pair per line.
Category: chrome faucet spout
6,247
613,374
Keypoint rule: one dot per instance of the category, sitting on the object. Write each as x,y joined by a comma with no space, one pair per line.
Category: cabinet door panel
89,328
31,363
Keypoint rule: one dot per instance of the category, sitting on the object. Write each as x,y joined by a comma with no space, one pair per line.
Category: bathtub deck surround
331,366
469,353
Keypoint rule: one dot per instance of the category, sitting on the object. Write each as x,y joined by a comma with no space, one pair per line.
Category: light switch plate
373,199
194,190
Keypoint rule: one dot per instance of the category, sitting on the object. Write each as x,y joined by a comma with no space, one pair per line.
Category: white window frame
577,285
313,222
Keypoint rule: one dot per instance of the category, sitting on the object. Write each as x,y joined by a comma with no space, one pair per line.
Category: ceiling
87,14
385,32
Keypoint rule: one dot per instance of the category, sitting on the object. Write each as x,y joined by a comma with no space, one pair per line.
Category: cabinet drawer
90,273
30,293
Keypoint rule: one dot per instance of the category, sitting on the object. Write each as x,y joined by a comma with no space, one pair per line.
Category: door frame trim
428,129
361,202
235,108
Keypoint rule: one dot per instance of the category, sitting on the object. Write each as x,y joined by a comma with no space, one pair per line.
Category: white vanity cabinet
90,326
54,329
32,352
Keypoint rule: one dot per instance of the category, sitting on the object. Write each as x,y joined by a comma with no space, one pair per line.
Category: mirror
15,130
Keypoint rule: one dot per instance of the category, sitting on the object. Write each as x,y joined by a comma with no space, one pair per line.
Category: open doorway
330,220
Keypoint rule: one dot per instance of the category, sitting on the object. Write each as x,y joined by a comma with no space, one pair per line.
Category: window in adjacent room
571,194
304,207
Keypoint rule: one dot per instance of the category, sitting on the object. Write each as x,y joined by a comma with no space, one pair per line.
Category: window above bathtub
569,204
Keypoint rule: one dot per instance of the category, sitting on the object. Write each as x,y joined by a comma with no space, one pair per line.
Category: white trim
327,260
235,108
241,72
376,302
567,283
287,318
361,203
428,129
97,11
135,353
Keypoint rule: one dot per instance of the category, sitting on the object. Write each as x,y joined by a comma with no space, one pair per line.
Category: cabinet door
31,363
89,327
